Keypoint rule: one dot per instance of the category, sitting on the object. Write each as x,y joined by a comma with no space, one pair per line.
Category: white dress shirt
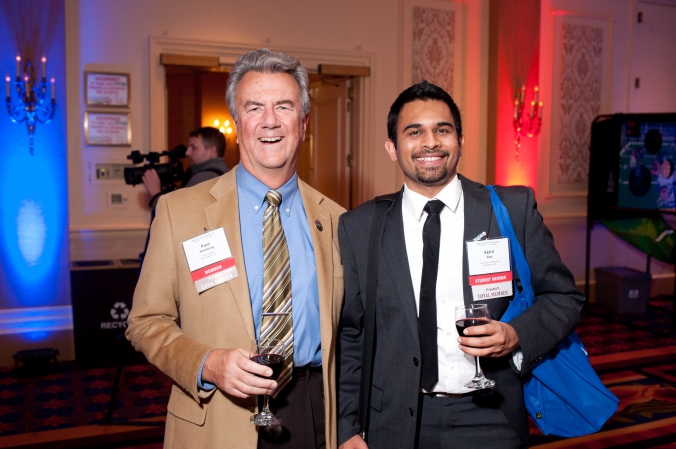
455,367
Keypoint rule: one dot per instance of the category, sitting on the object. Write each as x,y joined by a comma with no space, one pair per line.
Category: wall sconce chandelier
31,105
225,129
531,124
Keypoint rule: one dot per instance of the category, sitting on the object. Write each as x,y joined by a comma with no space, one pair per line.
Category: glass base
265,419
479,383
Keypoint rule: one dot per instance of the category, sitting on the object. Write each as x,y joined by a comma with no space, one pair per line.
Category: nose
430,141
270,119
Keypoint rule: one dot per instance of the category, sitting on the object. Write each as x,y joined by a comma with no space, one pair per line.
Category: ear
306,119
211,151
461,143
391,150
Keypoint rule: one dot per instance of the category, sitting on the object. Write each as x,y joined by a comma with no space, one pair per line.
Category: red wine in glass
464,323
274,361
268,352
469,316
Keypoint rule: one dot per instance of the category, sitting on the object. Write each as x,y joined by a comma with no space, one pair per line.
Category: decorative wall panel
433,46
580,99
580,91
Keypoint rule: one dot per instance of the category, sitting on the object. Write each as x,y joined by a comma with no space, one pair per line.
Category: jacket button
415,361
410,410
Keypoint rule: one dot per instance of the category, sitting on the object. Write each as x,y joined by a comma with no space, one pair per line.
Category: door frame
228,52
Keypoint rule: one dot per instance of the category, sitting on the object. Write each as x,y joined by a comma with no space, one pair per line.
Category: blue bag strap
506,229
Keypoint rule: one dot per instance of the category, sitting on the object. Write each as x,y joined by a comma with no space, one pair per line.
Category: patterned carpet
72,398
605,332
602,337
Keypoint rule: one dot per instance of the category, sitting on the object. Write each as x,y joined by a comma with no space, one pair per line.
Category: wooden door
323,162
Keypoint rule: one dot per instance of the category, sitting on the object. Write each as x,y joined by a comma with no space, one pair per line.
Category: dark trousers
472,421
300,405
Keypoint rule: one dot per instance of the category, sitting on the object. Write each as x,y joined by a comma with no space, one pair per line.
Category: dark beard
430,175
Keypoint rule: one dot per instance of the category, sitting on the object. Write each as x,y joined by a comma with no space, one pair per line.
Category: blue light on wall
34,241
33,219
31,230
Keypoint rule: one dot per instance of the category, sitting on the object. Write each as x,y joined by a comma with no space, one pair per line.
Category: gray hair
266,61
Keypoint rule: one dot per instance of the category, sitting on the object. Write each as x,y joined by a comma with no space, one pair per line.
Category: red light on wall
510,169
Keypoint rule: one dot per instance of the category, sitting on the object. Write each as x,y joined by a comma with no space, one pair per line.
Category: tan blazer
175,327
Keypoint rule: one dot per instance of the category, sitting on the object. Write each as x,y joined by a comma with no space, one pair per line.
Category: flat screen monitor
633,162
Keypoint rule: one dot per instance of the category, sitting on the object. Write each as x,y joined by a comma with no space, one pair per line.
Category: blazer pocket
376,398
184,407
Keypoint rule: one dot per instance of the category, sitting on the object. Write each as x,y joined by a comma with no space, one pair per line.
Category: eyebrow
418,125
288,102
257,103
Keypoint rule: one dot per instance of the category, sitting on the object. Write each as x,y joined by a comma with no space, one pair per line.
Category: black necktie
427,315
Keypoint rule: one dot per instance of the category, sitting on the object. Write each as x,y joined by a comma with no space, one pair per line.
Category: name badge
210,259
490,274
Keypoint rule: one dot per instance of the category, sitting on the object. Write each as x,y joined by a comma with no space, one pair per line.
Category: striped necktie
276,321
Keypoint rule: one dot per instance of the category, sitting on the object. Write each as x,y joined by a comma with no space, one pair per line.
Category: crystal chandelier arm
32,105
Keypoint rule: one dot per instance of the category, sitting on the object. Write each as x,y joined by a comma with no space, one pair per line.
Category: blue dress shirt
251,193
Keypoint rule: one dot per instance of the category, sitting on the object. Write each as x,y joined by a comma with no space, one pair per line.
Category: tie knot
434,207
274,198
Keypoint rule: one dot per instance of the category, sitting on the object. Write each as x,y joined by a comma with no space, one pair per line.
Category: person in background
206,148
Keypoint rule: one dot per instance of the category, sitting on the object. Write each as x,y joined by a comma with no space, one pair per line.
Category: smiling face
270,126
428,147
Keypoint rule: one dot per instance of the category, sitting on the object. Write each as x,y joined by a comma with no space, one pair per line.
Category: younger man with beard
421,401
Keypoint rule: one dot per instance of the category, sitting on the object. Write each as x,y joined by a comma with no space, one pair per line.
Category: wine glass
271,353
474,315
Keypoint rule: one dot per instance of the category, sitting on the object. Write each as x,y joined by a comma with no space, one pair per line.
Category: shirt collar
255,191
450,195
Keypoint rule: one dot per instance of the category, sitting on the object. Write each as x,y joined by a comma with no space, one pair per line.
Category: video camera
169,172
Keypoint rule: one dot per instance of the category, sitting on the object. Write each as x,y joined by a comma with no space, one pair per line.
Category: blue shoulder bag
563,393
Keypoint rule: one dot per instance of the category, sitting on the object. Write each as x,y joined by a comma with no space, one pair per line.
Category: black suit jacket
396,373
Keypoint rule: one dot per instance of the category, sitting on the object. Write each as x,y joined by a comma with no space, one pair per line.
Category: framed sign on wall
107,89
107,128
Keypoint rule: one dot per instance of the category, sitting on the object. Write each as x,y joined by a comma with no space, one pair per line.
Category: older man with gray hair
247,255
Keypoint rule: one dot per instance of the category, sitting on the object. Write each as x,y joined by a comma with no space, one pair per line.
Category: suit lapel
322,244
224,212
394,254
478,212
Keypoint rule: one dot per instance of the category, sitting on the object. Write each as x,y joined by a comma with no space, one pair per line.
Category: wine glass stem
478,370
266,408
